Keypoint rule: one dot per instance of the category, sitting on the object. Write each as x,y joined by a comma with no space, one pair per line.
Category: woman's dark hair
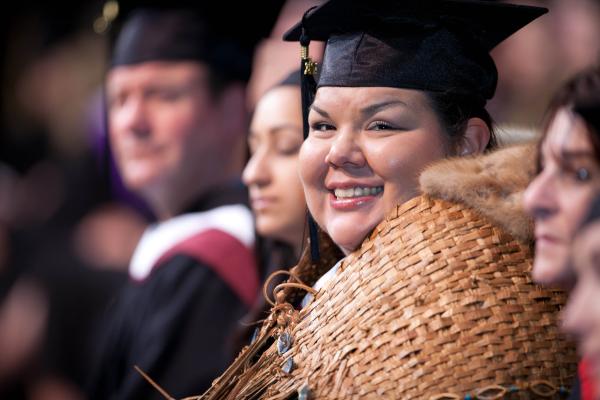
593,214
454,111
271,255
582,90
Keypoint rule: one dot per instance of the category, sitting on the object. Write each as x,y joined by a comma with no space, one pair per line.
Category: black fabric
177,325
293,79
155,35
575,389
174,327
432,45
193,31
177,35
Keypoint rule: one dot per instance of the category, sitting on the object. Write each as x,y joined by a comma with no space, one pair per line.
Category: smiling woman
433,299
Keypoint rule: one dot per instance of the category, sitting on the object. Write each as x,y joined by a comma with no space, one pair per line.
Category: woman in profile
276,195
568,178
271,174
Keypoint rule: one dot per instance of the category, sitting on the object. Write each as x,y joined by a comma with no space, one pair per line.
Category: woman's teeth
358,192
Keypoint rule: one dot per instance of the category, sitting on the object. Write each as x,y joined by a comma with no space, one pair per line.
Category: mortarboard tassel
308,87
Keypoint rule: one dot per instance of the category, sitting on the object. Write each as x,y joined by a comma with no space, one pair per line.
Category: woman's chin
346,239
550,271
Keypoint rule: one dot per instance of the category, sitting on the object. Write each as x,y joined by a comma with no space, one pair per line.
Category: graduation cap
292,79
217,33
431,45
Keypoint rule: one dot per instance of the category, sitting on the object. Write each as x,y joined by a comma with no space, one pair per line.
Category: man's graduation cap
431,45
218,33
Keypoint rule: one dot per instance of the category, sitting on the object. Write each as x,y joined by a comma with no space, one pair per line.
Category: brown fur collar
492,184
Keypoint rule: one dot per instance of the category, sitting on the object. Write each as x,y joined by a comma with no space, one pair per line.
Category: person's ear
476,137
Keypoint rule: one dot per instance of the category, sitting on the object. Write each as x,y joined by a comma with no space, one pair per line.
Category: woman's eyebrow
285,127
569,155
374,108
320,111
368,110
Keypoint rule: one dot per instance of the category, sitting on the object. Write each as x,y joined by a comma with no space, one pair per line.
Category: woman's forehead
567,133
363,97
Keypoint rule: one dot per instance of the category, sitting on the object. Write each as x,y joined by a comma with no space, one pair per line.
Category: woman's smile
354,197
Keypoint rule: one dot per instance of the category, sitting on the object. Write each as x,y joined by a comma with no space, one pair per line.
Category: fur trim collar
491,184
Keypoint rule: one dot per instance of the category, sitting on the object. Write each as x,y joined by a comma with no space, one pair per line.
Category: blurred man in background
177,126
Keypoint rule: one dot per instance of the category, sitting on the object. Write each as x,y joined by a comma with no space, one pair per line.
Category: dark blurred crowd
65,237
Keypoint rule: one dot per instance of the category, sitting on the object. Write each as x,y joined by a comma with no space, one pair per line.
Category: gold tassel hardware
310,67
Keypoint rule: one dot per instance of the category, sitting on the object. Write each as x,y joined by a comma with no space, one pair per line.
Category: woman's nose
345,151
257,170
539,197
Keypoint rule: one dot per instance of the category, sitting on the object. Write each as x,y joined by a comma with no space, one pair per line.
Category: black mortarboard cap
219,33
292,79
431,45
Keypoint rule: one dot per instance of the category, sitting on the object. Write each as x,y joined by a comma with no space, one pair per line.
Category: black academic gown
175,325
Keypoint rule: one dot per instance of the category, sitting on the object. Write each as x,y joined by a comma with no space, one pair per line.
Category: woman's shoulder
491,184
437,291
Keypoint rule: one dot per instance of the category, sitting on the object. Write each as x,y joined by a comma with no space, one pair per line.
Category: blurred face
559,196
164,126
582,314
271,174
365,151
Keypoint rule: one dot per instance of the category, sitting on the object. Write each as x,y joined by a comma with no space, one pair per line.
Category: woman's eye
582,174
321,126
287,147
380,126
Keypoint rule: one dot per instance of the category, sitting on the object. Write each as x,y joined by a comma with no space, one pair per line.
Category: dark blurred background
68,229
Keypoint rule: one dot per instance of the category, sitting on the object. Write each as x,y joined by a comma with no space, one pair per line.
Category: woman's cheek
312,170
311,163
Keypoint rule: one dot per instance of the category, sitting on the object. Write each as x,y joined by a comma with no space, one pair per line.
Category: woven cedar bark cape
437,303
